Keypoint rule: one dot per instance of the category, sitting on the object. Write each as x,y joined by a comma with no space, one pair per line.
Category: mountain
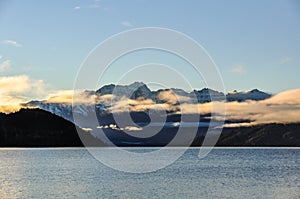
39,128
137,90
264,135
60,109
132,91
208,95
254,94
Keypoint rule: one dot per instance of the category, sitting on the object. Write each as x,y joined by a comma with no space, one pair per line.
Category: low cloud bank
18,89
281,108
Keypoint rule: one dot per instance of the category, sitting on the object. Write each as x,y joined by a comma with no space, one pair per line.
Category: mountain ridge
139,90
254,94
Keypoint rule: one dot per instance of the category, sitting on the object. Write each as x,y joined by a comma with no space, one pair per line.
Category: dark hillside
38,128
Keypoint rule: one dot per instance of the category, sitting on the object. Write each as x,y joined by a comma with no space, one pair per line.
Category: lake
224,173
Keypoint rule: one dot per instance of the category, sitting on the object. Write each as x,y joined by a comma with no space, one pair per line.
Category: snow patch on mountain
254,94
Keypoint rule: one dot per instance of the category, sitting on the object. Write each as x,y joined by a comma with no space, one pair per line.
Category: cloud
281,108
18,89
76,8
5,65
14,84
133,128
290,97
240,69
87,129
77,97
285,60
9,108
60,96
124,104
126,24
12,42
257,112
172,98
1,56
115,127
66,97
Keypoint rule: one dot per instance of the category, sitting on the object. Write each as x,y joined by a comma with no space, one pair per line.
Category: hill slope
266,135
262,135
39,128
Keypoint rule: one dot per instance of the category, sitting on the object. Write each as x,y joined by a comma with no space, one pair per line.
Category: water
224,173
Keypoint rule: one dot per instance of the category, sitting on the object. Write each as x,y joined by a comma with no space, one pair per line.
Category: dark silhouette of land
272,135
39,128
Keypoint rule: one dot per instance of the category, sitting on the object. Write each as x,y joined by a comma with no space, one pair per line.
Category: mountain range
139,90
51,122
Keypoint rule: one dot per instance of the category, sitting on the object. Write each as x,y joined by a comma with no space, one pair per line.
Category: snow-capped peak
254,94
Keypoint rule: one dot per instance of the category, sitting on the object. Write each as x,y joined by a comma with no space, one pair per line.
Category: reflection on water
224,173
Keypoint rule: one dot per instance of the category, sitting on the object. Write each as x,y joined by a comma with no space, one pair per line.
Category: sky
255,44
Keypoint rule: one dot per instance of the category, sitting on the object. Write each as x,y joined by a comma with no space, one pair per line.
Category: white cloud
80,97
12,42
19,89
1,56
133,128
281,108
290,97
115,127
285,60
234,125
240,69
5,65
126,24
172,98
76,8
87,129
66,97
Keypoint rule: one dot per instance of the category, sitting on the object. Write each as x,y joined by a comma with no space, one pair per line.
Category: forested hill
39,128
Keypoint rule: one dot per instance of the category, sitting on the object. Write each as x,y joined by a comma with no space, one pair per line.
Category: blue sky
255,44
